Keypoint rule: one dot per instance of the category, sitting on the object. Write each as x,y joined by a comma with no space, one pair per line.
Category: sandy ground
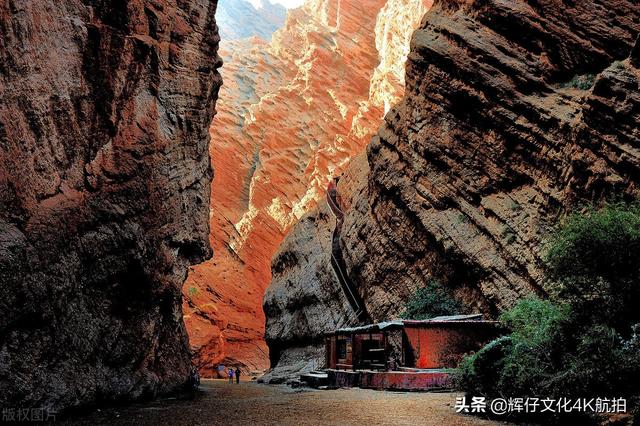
253,404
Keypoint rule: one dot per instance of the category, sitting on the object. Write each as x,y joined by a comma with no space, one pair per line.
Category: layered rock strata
293,111
514,113
104,194
306,299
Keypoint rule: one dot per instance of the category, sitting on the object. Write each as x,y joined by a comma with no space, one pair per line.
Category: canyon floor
250,403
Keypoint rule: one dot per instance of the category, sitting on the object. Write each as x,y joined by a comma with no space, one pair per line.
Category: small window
341,349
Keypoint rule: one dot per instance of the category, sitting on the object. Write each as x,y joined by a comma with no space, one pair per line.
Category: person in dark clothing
194,378
238,375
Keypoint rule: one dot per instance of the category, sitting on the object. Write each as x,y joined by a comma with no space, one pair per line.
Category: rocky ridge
104,194
514,113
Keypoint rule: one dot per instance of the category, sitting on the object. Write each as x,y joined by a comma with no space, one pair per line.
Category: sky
286,3
289,3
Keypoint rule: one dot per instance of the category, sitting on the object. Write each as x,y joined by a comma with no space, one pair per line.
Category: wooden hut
408,344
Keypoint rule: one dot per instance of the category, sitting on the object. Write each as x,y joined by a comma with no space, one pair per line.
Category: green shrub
536,333
631,356
546,355
592,264
514,206
582,82
618,65
462,218
584,341
508,234
477,373
524,362
430,301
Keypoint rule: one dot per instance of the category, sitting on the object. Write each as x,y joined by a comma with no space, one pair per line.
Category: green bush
536,332
514,206
525,361
584,341
592,264
430,301
631,355
551,357
477,373
582,82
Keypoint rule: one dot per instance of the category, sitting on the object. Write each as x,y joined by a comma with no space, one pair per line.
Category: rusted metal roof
470,317
385,325
399,323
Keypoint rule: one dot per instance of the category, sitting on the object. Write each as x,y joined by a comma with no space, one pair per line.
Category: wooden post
353,352
386,350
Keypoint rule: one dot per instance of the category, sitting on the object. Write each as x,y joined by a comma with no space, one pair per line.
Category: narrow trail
337,260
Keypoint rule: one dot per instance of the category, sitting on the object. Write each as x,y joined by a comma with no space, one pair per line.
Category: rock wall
305,300
514,113
104,194
293,111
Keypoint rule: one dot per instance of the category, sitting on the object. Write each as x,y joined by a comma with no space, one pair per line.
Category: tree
430,301
583,341
592,264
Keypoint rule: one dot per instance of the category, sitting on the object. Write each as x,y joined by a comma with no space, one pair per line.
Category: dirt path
255,404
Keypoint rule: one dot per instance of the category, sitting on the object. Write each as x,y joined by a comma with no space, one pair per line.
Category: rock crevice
294,110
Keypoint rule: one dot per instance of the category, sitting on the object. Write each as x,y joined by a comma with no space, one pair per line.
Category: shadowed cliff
514,113
104,194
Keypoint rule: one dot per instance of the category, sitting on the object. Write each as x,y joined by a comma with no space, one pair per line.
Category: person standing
238,375
194,378
231,375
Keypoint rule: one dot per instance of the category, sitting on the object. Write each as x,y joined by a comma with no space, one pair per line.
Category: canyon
293,111
361,150
514,113
104,194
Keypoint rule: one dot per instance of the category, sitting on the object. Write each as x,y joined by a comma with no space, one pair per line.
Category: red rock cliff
514,112
293,112
104,193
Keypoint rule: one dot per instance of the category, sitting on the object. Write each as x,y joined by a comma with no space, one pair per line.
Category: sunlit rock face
494,140
104,194
294,111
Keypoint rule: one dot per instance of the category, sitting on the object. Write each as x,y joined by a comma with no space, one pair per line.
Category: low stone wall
390,380
406,381
343,378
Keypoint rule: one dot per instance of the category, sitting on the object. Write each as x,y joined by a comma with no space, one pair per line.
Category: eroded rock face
293,111
305,300
104,194
493,141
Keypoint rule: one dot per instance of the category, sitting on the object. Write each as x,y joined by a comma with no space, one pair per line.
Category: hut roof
471,317
397,324
385,325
